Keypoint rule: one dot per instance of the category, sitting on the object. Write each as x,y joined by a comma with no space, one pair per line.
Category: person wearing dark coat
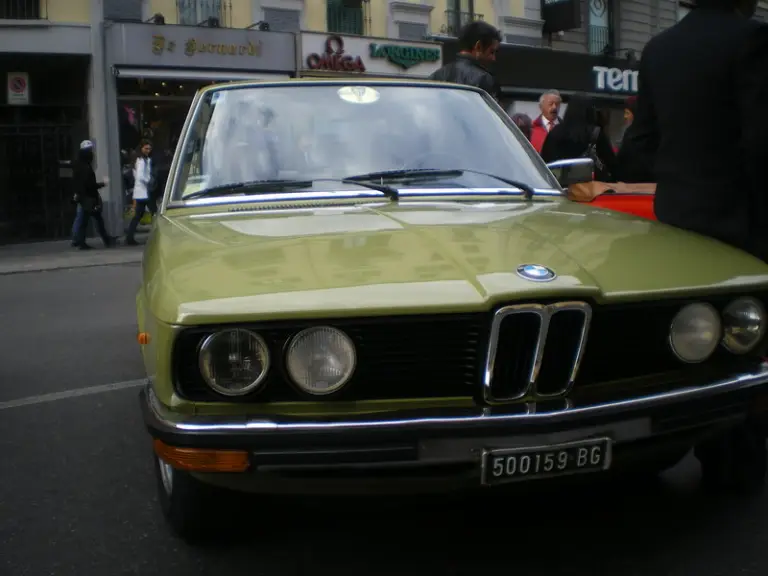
581,134
700,125
86,195
478,44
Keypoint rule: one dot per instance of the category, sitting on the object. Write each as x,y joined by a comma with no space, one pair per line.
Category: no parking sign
18,88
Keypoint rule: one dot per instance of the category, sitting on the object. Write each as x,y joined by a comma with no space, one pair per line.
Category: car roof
301,82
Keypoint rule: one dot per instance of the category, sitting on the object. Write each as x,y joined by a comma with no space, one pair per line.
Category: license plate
529,463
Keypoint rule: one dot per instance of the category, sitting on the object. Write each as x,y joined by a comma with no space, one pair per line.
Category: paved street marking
53,397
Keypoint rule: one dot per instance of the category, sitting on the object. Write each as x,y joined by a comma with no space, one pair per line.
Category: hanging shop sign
561,15
372,56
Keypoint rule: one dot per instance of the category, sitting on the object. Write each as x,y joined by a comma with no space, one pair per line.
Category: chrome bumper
162,420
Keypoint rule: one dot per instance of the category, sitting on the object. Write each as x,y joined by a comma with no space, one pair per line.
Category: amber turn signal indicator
200,460
143,338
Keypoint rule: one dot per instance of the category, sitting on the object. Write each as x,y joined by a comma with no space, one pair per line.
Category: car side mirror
573,171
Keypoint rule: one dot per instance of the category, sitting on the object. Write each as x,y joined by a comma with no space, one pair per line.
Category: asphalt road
77,494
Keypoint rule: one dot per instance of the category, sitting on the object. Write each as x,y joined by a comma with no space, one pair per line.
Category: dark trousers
81,226
141,207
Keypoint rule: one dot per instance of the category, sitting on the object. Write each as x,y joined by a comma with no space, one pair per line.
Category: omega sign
334,58
615,79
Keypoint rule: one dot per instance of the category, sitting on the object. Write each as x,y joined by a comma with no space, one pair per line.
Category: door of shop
35,200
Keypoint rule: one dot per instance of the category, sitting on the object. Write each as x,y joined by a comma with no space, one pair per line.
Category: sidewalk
60,255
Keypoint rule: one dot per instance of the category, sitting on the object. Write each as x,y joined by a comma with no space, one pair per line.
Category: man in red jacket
549,104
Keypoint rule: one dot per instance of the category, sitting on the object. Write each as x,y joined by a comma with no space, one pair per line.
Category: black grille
397,357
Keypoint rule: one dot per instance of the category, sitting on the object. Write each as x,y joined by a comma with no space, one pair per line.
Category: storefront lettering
334,58
404,56
193,46
615,79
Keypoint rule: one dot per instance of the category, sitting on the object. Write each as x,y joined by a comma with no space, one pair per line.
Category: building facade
45,57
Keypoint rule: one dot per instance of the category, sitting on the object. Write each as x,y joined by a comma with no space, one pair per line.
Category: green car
374,286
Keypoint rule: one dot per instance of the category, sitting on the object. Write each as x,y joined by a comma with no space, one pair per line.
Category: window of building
21,10
193,12
599,26
282,20
345,19
458,14
411,31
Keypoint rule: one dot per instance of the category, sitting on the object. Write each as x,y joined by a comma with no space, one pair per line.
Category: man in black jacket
478,44
87,196
700,130
700,126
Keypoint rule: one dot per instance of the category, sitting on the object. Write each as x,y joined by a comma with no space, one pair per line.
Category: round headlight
234,362
743,325
695,332
320,360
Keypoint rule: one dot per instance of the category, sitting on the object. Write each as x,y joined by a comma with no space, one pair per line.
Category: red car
631,198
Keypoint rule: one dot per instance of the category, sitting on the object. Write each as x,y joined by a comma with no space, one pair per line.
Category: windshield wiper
280,185
528,191
253,186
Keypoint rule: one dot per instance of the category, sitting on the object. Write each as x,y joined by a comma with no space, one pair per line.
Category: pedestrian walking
88,199
710,173
478,44
143,187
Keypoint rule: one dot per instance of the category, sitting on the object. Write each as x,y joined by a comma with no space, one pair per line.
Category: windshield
311,132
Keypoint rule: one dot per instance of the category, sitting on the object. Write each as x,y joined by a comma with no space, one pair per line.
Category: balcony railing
23,9
194,12
345,19
455,20
599,39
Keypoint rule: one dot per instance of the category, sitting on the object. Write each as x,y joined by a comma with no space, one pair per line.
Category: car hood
410,257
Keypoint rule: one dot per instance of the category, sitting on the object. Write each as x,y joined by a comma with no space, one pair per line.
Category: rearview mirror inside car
572,171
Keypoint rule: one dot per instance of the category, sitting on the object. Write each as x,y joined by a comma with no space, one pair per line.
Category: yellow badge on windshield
359,94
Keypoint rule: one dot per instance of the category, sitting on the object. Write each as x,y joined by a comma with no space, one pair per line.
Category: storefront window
155,110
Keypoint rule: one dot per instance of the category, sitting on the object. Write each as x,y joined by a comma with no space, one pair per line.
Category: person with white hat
87,197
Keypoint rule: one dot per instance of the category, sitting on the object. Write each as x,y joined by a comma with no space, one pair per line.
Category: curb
58,267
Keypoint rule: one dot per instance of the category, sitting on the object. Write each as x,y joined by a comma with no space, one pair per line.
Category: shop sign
18,88
360,55
334,59
193,46
615,80
561,15
404,56
131,44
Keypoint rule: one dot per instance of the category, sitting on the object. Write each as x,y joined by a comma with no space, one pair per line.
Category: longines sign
133,44
358,55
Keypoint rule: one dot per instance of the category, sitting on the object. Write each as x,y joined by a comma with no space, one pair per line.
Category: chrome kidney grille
535,351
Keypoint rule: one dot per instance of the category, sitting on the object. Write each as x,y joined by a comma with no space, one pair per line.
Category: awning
191,74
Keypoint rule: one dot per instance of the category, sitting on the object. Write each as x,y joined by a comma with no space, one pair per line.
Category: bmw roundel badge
536,273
